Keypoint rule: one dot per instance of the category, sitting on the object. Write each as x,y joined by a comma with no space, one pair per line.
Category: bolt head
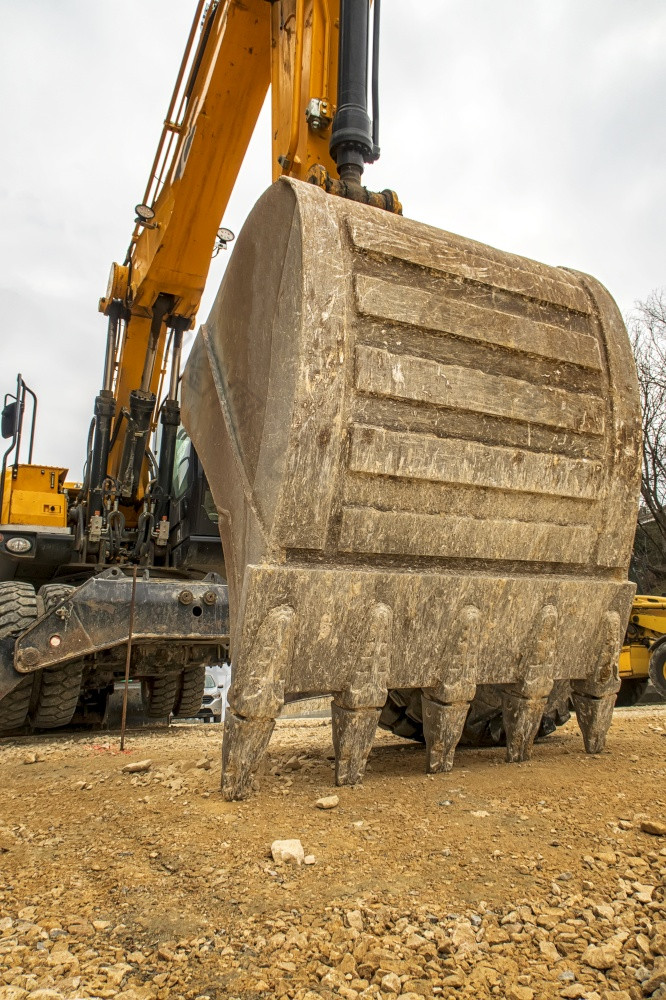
186,597
210,597
29,657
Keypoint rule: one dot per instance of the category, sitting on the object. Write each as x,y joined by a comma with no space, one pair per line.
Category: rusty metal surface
425,457
94,618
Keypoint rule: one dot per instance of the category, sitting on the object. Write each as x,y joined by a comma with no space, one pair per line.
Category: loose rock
654,827
327,802
137,766
287,852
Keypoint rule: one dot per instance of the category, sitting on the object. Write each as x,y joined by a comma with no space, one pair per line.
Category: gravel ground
530,881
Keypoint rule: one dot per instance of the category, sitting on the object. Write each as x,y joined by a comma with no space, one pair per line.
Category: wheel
190,692
217,718
658,668
402,715
57,689
158,695
18,609
51,594
631,691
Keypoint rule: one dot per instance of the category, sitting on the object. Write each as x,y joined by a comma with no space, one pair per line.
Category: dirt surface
520,881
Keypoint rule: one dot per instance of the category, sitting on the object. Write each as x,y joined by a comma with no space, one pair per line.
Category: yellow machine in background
34,494
29,494
643,655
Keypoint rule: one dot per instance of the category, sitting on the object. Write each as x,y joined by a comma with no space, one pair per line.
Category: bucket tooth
255,699
356,710
521,717
523,703
445,706
594,717
244,744
594,696
442,729
353,734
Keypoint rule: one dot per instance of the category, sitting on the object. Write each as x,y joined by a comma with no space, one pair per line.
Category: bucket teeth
353,734
594,719
521,717
442,729
446,705
255,699
356,710
244,744
523,703
594,697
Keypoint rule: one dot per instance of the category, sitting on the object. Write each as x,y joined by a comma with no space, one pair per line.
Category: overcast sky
537,126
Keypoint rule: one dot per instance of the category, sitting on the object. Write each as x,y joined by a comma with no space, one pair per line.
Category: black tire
18,609
190,692
158,695
402,715
631,691
57,689
52,594
658,668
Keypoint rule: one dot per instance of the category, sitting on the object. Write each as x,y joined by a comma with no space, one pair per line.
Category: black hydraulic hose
375,76
105,408
141,406
116,427
85,486
170,419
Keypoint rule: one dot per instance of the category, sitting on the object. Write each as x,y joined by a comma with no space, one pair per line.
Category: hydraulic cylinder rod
351,142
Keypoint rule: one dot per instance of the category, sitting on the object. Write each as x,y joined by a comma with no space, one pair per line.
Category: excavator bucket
425,457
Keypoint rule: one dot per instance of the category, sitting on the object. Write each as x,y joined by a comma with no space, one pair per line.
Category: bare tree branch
647,329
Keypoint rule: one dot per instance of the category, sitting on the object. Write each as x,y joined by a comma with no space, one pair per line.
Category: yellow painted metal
35,496
649,614
311,27
634,661
647,623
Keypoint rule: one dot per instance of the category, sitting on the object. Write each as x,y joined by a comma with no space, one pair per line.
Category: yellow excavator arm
233,53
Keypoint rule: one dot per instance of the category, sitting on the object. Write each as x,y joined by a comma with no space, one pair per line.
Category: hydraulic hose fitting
386,200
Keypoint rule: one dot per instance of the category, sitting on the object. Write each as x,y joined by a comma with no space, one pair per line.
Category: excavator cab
194,541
